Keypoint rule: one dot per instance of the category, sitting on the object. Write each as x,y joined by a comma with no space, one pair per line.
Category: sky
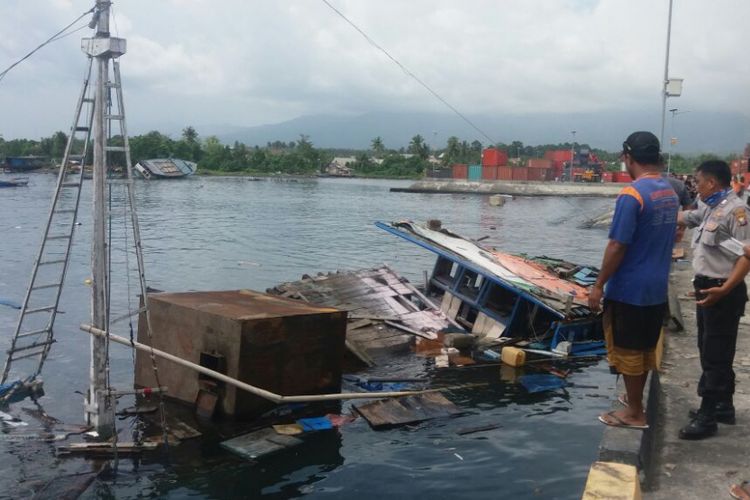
252,62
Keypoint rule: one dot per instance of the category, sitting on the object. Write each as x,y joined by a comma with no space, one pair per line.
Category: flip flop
623,400
740,491
618,422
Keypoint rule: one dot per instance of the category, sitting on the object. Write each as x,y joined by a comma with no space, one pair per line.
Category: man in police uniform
720,293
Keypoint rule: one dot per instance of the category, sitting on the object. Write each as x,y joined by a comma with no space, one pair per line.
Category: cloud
247,63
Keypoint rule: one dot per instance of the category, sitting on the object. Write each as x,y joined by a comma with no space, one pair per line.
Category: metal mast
98,408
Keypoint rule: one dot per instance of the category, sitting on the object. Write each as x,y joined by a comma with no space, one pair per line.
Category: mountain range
697,131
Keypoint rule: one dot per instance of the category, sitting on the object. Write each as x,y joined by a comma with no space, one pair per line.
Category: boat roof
532,277
169,166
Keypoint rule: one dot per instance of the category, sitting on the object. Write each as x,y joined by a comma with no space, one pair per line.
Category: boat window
467,315
500,300
445,271
470,284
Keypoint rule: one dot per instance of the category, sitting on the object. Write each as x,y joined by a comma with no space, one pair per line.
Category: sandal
740,491
618,422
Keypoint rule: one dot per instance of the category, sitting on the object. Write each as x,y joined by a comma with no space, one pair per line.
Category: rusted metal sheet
407,410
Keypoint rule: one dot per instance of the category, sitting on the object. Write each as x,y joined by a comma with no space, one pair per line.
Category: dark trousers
717,340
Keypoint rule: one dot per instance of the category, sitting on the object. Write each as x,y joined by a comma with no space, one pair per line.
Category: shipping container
539,163
534,174
489,173
460,171
493,157
561,155
520,173
621,177
475,172
505,173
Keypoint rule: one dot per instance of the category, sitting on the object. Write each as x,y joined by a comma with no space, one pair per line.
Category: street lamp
673,139
672,87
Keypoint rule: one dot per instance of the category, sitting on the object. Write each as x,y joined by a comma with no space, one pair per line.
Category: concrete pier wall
515,188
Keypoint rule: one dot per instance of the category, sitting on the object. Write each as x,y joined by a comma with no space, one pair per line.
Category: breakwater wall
515,188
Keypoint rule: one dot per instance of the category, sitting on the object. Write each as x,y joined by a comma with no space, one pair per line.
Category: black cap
643,147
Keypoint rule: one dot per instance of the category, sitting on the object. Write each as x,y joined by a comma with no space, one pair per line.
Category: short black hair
717,169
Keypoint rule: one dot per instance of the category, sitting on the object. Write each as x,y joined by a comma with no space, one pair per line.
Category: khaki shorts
632,362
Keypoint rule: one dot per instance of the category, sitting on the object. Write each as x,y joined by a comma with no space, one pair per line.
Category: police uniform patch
711,225
741,216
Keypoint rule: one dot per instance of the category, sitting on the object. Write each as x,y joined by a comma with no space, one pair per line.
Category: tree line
301,157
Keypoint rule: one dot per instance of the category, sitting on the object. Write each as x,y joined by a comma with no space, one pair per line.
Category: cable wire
53,38
409,73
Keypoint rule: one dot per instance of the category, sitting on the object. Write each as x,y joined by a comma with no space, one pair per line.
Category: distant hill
697,131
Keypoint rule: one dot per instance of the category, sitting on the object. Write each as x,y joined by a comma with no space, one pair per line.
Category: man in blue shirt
635,269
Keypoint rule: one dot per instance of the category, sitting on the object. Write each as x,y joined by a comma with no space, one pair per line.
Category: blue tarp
315,424
541,382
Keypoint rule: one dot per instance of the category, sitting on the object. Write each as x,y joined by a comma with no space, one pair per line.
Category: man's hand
711,296
746,249
595,297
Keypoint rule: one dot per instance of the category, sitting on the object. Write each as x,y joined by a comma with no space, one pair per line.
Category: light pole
572,155
673,138
672,87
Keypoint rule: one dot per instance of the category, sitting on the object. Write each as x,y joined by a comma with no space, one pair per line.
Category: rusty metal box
283,346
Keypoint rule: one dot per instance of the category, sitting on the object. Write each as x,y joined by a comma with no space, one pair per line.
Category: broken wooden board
107,448
407,410
260,443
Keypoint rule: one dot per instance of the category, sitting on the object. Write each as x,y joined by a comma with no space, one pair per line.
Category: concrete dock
697,469
515,188
671,467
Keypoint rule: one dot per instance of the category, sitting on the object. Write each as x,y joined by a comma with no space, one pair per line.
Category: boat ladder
33,335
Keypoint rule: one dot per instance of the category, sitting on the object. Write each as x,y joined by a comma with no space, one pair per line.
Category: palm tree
377,147
418,147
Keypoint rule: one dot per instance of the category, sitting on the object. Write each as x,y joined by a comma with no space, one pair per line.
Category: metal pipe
270,396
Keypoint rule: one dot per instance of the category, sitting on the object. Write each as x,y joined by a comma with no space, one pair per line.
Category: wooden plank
260,443
406,410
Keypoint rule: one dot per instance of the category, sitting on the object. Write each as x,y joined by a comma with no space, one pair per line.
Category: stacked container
460,171
520,173
505,173
493,160
475,172
489,173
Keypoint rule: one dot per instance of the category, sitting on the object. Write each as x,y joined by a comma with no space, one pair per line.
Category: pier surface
697,469
515,188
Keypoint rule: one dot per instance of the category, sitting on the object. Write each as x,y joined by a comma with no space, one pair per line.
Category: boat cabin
495,295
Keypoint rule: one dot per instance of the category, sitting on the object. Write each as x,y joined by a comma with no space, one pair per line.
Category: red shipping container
520,173
621,177
505,173
460,171
561,155
539,163
489,173
536,174
492,157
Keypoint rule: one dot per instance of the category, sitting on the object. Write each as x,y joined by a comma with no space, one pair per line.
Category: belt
709,281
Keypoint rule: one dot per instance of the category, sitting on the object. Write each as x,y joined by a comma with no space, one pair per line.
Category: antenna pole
102,47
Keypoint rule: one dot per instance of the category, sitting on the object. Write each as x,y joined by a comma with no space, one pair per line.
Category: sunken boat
165,168
501,295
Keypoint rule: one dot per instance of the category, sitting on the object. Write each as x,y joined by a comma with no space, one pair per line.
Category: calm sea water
229,233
